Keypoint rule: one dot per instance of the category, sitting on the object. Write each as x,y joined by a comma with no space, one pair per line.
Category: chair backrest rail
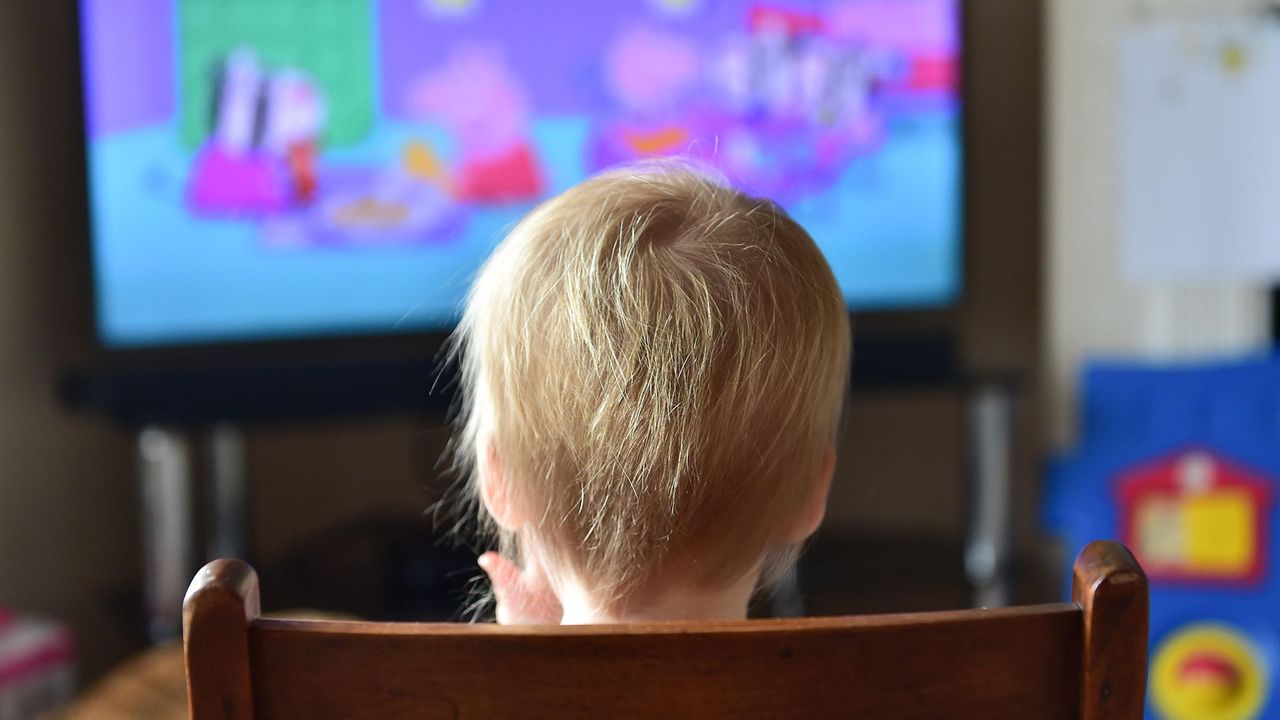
897,666
1065,661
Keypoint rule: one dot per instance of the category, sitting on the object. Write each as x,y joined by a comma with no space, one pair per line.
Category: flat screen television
267,170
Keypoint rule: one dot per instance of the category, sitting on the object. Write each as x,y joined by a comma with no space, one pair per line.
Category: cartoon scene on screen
307,168
262,158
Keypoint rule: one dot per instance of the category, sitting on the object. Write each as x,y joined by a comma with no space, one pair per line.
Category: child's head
654,369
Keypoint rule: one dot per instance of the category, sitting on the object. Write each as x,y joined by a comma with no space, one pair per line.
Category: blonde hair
659,362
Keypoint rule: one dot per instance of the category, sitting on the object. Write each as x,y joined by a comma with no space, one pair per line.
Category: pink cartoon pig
650,74
477,97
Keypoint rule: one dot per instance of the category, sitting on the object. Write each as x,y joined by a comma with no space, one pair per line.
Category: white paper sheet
1199,150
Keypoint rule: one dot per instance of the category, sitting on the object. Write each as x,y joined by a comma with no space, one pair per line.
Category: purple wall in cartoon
413,40
411,44
554,75
129,50
918,26
138,37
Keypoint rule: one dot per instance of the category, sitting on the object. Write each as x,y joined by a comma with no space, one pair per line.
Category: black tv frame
374,374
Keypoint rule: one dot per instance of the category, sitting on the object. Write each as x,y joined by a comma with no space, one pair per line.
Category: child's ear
495,492
815,506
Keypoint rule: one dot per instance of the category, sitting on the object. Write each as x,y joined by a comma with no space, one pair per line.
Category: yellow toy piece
1221,533
1207,671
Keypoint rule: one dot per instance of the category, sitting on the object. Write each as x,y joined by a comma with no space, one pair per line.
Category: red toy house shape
1196,517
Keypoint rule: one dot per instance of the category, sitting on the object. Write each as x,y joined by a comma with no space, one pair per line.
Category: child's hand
524,596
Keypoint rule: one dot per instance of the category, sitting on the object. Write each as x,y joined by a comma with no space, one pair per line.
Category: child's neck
674,604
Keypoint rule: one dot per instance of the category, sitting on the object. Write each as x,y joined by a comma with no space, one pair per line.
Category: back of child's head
657,365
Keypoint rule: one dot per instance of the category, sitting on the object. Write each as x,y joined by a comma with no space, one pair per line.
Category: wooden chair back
1085,659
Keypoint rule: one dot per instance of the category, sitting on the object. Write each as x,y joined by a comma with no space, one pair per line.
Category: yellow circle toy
1208,671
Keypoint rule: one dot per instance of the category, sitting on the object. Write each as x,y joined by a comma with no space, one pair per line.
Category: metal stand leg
165,471
227,492
987,552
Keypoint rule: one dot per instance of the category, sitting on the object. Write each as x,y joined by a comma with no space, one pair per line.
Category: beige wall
68,543
1001,316
1090,310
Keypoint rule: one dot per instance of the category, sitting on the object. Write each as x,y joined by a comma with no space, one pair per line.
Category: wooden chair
1085,659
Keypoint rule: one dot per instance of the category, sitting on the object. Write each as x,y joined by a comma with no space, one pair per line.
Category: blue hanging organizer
1182,464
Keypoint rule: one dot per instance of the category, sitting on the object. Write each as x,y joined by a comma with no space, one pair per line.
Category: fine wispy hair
658,363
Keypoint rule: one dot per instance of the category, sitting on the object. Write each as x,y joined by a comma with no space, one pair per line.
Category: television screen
273,169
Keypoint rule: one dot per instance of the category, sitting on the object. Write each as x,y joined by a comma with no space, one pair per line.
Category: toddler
654,367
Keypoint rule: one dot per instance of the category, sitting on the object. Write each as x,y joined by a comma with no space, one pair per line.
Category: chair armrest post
1111,588
220,604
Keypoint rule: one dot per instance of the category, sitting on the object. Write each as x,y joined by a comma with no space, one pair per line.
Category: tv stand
166,478
171,406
